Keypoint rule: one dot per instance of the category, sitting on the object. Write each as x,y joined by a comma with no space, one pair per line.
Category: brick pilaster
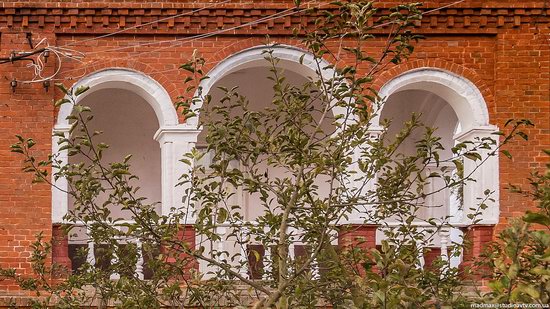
185,235
357,235
476,238
60,246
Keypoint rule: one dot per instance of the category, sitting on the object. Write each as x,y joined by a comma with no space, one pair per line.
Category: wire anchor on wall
38,58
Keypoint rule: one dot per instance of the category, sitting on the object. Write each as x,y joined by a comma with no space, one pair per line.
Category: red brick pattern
186,235
501,46
357,236
476,239
60,247
478,16
430,255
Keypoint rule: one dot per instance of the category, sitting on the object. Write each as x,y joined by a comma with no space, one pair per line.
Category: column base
185,235
60,249
358,236
476,239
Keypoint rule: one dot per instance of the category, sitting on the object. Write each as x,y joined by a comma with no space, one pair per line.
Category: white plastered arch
473,116
136,82
174,138
289,56
463,96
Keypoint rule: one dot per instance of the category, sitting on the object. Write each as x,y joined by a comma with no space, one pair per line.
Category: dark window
256,255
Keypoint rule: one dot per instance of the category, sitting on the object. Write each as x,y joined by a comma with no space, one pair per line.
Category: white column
486,177
444,239
114,275
221,231
139,263
431,201
268,264
456,212
439,199
175,141
355,185
456,238
243,242
60,200
292,245
90,258
421,260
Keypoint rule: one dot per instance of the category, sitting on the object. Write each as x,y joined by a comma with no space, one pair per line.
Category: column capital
375,130
480,131
61,128
180,133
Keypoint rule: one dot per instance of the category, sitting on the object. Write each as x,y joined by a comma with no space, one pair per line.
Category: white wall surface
128,123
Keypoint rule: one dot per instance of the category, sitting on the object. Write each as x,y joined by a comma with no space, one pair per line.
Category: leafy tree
364,174
520,258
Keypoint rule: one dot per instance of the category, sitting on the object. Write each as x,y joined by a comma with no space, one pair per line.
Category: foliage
520,259
318,132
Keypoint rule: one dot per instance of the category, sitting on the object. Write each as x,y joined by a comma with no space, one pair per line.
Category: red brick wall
25,208
354,235
185,236
501,46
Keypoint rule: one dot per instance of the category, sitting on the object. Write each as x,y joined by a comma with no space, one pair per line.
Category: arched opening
128,125
254,85
433,112
454,106
136,114
249,71
148,96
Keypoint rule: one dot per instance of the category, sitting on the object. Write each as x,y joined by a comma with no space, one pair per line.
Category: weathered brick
502,48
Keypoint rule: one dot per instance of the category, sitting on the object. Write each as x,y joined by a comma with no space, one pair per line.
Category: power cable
189,39
179,42
213,33
62,51
146,24
375,27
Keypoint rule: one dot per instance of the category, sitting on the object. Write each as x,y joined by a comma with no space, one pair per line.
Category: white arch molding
473,116
289,56
175,139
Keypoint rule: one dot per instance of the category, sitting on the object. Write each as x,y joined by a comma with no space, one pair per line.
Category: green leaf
80,90
222,215
523,135
529,290
188,67
513,271
256,255
61,87
538,218
61,102
16,148
474,156
507,154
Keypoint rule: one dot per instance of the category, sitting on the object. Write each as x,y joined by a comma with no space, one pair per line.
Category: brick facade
501,46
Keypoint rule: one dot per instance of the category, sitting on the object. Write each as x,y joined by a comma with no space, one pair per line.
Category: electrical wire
59,51
39,65
178,42
284,13
63,51
375,27
40,68
213,33
146,24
